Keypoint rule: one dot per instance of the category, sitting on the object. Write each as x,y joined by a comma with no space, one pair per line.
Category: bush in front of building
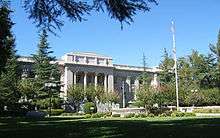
89,108
87,116
143,115
116,115
54,112
150,115
130,115
206,110
182,114
98,115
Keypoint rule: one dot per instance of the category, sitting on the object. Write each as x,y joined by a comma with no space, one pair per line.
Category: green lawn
114,127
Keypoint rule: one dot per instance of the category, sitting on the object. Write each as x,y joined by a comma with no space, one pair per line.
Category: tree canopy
49,13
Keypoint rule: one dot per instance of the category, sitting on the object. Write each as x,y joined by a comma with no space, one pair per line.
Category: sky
197,25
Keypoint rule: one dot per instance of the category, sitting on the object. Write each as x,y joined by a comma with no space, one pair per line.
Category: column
128,81
136,83
74,59
74,78
96,80
105,82
68,80
85,80
110,83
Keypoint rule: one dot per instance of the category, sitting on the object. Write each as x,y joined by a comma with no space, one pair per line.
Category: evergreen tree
145,78
9,94
215,49
166,76
6,37
46,71
49,13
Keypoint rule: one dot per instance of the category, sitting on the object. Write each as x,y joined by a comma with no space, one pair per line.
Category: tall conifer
46,70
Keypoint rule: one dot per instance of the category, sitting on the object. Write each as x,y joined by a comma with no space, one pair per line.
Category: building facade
90,68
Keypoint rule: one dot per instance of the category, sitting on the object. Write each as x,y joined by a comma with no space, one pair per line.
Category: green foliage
28,91
90,93
150,115
138,103
206,110
72,114
97,115
215,49
197,80
45,103
9,70
75,95
116,115
51,15
130,115
87,116
46,71
6,37
145,96
182,114
89,108
108,114
54,112
112,97
142,115
136,116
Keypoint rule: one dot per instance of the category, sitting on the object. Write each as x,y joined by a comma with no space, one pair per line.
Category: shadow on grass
74,127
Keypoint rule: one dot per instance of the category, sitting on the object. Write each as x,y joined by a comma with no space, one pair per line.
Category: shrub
129,115
97,115
108,114
163,115
71,114
143,115
150,115
137,115
189,114
182,114
54,112
87,116
206,110
89,108
168,113
116,115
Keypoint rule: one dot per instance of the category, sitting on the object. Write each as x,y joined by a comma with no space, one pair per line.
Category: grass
64,127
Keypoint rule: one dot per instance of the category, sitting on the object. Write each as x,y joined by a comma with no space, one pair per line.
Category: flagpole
175,64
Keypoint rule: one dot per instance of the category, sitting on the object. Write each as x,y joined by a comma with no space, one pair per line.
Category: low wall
125,111
190,109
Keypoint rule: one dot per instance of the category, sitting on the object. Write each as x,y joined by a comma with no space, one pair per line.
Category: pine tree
6,37
9,76
166,76
45,72
145,77
215,49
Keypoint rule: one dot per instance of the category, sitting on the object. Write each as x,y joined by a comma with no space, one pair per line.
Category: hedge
89,108
54,112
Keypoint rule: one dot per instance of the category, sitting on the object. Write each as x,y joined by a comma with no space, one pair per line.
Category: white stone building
90,68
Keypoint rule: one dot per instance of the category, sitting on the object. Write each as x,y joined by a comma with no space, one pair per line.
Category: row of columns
71,78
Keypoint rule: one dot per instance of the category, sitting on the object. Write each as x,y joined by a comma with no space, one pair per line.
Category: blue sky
197,24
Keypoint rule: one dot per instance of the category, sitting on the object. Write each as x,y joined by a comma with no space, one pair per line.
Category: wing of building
90,68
